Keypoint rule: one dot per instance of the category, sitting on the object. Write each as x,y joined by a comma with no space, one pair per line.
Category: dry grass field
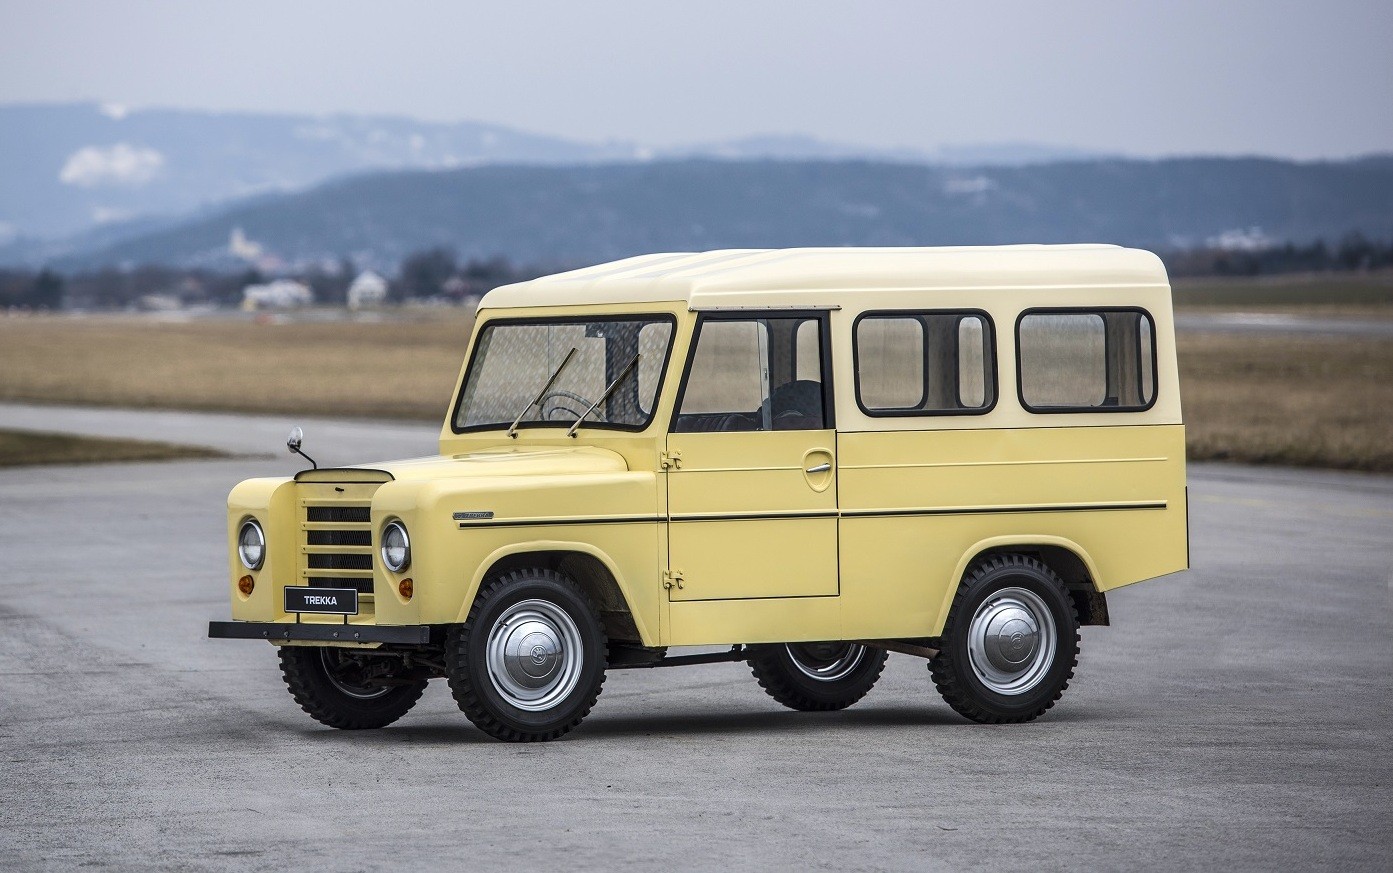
1300,400
398,368
1355,293
1321,402
25,448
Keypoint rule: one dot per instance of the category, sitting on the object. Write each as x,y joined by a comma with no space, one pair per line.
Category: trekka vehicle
806,458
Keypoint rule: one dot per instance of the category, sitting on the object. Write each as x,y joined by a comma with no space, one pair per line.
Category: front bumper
411,634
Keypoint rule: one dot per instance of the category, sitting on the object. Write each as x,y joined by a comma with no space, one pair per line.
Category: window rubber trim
991,365
479,329
824,319
1086,310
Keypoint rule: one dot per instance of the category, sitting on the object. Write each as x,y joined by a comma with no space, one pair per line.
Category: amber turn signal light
406,588
245,585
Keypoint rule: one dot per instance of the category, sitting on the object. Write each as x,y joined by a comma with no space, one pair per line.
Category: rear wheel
817,676
1010,644
345,689
529,662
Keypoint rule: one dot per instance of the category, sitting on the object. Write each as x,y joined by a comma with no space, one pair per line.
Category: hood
485,463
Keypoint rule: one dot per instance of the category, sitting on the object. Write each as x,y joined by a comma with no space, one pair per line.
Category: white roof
759,277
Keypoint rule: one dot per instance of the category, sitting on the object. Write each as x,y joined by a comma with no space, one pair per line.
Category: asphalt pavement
1236,716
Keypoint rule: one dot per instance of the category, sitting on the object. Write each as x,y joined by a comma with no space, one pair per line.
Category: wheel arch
593,570
1069,560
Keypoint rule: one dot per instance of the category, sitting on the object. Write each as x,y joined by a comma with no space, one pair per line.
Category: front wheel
346,689
817,676
528,663
1010,644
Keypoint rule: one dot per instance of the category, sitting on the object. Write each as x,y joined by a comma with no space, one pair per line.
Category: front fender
642,602
451,557
271,501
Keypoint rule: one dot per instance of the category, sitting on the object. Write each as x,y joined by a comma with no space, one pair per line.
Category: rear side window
924,363
1095,360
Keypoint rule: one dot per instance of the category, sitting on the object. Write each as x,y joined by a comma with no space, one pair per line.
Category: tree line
436,273
1354,253
430,273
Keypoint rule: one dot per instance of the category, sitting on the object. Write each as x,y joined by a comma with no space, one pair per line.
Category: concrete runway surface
1233,717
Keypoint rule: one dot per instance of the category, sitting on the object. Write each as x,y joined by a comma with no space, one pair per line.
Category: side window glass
725,376
890,362
1072,361
924,363
808,351
975,366
755,374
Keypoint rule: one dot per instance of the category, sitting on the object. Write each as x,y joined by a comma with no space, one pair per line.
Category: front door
752,494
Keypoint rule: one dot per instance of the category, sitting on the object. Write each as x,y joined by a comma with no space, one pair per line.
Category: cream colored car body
858,532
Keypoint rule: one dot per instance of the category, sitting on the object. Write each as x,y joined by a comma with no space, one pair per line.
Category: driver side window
754,374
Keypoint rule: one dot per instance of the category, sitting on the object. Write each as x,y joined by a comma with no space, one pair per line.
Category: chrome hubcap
1011,641
534,655
826,662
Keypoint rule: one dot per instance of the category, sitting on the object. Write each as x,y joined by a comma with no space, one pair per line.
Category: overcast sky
1307,80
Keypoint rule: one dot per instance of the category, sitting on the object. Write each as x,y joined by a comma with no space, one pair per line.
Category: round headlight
396,547
251,545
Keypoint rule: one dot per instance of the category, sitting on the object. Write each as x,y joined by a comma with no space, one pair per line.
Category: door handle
820,468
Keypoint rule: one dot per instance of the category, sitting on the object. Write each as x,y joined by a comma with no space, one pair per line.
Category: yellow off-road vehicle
814,457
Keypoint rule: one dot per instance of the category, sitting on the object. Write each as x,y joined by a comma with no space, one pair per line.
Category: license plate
337,601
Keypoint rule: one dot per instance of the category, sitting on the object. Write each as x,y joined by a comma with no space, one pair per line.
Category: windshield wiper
513,428
604,396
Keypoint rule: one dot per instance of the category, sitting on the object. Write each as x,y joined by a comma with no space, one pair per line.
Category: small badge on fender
484,515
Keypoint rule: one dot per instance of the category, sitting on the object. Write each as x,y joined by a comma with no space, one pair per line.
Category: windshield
513,361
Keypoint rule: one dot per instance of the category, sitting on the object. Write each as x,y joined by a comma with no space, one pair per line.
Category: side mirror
293,442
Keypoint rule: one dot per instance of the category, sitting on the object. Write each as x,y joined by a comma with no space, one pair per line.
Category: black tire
328,683
784,672
971,682
497,703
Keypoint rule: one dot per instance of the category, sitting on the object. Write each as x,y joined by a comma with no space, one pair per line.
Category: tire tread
462,686
943,666
306,685
774,677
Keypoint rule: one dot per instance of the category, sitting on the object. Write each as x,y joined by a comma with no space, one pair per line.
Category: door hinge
672,579
670,460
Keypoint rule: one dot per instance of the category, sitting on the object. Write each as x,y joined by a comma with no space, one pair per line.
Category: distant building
159,303
369,289
1249,239
280,294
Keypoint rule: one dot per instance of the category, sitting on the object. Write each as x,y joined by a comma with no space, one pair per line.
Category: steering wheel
559,400
798,404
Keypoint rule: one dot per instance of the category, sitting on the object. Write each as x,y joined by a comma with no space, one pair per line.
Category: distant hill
567,215
67,168
70,168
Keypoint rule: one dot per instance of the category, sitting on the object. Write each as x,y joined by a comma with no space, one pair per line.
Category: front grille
363,586
352,514
340,562
338,541
340,538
